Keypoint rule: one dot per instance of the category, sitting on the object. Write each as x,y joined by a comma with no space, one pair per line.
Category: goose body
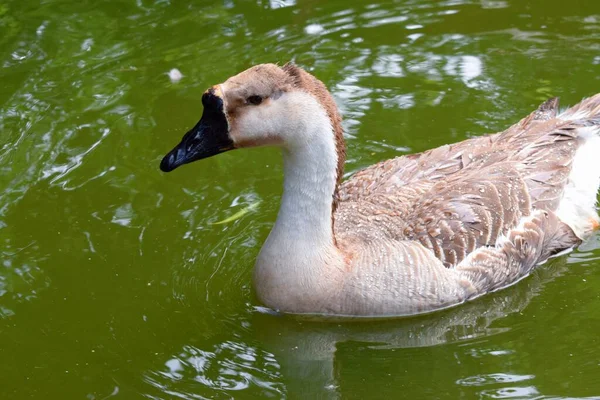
412,234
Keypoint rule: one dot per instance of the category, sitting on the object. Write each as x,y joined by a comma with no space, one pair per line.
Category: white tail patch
568,115
577,208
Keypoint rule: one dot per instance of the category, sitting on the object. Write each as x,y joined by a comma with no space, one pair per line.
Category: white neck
300,247
309,184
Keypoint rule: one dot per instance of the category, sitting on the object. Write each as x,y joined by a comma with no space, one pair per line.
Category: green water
116,282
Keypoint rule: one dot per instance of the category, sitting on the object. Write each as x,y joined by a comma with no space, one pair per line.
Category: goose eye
255,100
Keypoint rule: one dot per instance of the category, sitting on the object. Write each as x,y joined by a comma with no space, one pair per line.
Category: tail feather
587,109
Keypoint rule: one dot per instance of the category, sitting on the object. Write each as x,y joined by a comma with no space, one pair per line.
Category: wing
432,165
455,218
457,199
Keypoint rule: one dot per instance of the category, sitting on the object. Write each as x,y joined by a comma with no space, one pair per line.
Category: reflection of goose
308,350
408,235
306,358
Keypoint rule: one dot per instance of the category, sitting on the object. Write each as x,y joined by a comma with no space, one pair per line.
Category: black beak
208,138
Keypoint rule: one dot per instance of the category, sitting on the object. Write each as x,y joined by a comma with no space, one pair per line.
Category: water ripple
87,110
227,368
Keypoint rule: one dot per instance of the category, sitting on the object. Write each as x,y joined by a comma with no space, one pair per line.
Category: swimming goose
408,235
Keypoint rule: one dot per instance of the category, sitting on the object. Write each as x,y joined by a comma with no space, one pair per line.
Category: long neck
298,264
305,214
310,157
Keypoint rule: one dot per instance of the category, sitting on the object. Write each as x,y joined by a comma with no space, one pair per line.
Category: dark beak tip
167,164
209,137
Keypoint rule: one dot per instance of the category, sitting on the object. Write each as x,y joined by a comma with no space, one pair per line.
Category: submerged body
409,235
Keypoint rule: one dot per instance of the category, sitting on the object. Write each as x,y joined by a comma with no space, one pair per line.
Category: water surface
117,281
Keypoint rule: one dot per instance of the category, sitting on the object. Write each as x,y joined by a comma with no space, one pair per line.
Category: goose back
458,198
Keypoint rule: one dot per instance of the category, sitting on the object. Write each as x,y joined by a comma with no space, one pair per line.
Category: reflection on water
116,280
490,379
230,367
303,352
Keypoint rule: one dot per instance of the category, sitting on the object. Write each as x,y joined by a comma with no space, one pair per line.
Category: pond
120,281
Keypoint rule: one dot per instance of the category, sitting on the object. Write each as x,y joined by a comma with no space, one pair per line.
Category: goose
413,234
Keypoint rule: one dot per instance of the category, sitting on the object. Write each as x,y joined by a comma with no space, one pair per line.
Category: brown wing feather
445,160
460,215
458,198
538,237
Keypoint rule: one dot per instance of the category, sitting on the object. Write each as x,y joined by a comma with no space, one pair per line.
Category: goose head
264,105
